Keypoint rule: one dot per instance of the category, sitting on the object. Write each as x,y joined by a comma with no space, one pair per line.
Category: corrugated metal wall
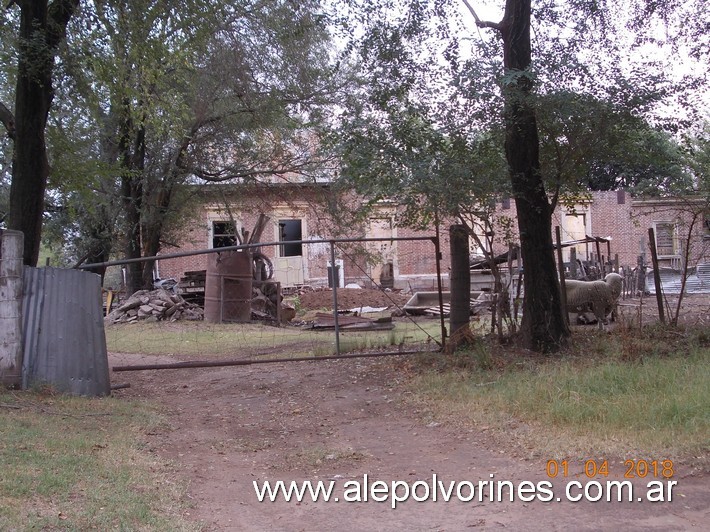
64,341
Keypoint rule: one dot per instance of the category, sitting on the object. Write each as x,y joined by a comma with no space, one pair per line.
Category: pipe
246,362
241,247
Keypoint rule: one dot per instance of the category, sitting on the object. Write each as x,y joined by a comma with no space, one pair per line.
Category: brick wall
626,220
412,258
613,214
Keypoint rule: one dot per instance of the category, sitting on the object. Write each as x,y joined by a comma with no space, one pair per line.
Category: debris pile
348,298
155,305
265,302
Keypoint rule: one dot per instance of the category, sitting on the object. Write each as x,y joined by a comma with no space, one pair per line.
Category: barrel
228,290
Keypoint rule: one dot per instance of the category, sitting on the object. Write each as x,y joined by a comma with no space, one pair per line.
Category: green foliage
431,97
405,158
696,156
153,94
592,144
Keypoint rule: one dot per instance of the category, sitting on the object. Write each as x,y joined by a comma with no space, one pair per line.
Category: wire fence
263,302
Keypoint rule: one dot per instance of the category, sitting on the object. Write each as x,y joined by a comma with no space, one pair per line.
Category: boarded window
506,203
289,231
665,239
620,197
224,234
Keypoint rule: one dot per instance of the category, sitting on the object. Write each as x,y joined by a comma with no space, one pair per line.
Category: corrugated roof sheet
64,339
698,282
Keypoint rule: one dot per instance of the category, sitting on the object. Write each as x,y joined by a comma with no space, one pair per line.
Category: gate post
335,299
460,315
11,247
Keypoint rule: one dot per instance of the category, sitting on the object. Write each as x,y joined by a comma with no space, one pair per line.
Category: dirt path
339,421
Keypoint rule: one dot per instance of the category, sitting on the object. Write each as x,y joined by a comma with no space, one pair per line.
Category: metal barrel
228,287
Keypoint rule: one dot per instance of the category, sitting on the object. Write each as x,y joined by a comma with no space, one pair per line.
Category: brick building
302,212
626,220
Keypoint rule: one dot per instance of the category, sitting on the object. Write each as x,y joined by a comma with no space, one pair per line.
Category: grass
204,339
80,464
629,392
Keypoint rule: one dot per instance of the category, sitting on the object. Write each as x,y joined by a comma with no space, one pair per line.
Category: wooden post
335,298
460,313
656,274
519,269
561,266
11,247
640,275
608,253
599,259
573,262
616,262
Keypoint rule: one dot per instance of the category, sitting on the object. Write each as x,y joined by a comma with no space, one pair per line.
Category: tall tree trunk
153,223
543,327
101,235
42,28
132,147
132,192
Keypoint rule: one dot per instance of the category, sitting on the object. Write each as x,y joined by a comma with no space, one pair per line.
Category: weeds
608,393
198,338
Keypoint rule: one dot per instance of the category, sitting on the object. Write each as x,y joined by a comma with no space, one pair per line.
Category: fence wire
303,309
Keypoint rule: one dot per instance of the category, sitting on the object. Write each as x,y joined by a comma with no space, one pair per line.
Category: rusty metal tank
228,287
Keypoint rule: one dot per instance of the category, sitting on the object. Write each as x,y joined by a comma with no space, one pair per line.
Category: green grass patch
608,394
80,464
240,339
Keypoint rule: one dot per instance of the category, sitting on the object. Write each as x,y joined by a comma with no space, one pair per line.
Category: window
666,240
290,230
224,234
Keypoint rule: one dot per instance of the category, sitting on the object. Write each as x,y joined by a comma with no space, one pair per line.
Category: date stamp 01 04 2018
600,468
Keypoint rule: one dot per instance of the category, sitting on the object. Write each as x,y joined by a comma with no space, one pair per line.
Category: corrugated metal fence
63,333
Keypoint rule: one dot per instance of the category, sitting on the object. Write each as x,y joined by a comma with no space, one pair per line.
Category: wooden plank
327,321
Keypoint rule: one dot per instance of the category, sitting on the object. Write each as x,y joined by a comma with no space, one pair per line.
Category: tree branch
228,174
58,15
489,24
8,120
482,23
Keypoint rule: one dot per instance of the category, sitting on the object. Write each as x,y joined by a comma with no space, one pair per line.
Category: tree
543,327
448,147
182,92
575,113
42,29
687,202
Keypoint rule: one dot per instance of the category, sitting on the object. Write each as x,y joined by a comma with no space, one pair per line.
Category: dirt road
343,420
